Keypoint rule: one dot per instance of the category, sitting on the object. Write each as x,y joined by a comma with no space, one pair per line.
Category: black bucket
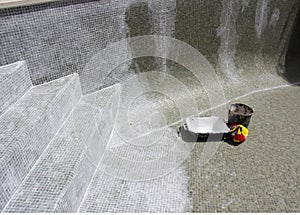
240,114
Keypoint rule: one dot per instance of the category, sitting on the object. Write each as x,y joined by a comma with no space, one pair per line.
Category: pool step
60,177
29,125
14,83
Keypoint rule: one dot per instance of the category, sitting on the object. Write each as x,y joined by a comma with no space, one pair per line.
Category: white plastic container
202,129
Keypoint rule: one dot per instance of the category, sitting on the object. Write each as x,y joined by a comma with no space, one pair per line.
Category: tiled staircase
48,138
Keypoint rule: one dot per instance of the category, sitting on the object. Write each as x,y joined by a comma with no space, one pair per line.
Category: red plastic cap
239,138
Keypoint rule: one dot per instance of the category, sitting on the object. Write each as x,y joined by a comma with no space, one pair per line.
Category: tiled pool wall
59,38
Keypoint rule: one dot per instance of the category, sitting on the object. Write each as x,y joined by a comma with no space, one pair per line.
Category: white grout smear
228,35
163,15
166,194
274,18
245,4
261,17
